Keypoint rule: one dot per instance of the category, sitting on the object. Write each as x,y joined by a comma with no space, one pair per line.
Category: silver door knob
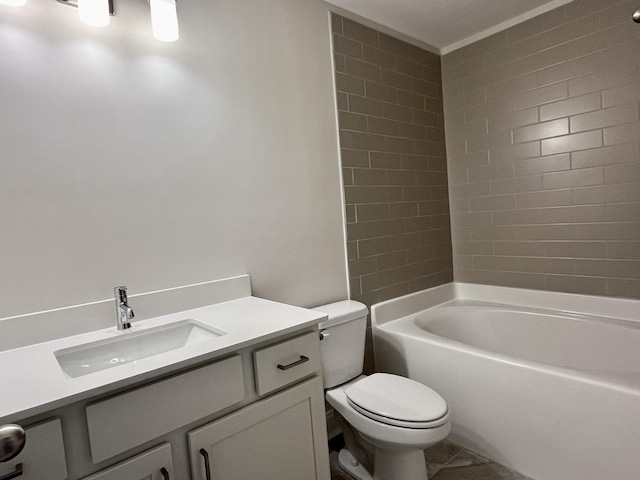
12,439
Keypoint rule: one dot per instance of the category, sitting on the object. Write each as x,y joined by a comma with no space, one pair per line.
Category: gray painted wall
129,161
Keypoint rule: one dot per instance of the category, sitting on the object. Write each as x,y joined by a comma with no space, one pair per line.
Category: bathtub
545,383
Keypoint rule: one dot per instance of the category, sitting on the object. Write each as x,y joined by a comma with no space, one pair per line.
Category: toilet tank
342,341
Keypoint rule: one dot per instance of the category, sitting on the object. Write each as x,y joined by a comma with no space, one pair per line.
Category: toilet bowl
399,417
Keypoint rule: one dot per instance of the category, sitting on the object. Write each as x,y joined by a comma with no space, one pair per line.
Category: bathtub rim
507,307
571,303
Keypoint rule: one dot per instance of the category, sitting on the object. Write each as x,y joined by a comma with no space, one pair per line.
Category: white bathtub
545,383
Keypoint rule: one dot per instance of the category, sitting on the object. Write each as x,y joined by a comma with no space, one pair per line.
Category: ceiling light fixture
164,20
13,3
164,16
95,12
92,12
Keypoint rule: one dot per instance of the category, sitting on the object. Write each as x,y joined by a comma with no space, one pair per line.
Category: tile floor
448,461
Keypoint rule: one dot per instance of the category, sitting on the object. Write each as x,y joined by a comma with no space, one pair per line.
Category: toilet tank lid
341,312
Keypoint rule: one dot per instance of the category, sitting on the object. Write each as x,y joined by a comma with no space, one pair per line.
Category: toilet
399,417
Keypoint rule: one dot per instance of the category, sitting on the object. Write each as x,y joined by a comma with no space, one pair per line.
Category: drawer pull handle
165,474
302,360
207,467
17,473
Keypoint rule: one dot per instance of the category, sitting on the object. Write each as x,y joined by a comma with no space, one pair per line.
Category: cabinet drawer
287,362
154,464
125,421
43,454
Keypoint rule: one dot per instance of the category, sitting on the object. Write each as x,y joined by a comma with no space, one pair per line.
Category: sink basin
132,346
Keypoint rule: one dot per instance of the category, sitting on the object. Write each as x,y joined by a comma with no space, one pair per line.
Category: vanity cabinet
256,413
43,456
273,439
155,464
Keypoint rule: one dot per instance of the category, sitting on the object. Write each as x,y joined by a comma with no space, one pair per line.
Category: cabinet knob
12,438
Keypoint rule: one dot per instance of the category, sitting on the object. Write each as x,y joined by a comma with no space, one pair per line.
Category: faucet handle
121,293
124,312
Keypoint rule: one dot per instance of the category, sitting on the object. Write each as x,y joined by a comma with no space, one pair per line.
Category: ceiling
447,24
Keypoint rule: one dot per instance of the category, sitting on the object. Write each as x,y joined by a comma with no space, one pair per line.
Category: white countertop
33,381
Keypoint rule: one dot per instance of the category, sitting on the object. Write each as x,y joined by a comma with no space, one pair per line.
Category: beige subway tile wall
543,144
391,123
394,167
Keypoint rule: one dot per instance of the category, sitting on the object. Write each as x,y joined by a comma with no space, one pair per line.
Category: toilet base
399,465
388,465
353,467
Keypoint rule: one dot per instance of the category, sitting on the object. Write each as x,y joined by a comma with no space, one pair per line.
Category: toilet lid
397,401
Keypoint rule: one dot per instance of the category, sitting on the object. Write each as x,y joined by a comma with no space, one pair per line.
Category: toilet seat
397,401
382,434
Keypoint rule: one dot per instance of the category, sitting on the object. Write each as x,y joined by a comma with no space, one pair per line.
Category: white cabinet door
42,457
281,437
154,464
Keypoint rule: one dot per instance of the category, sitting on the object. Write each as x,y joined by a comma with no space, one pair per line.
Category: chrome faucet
124,312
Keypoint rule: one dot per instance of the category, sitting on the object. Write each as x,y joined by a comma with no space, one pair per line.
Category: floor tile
468,465
448,461
489,471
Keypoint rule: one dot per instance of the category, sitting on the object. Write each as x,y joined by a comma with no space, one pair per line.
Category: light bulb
164,20
94,12
13,3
